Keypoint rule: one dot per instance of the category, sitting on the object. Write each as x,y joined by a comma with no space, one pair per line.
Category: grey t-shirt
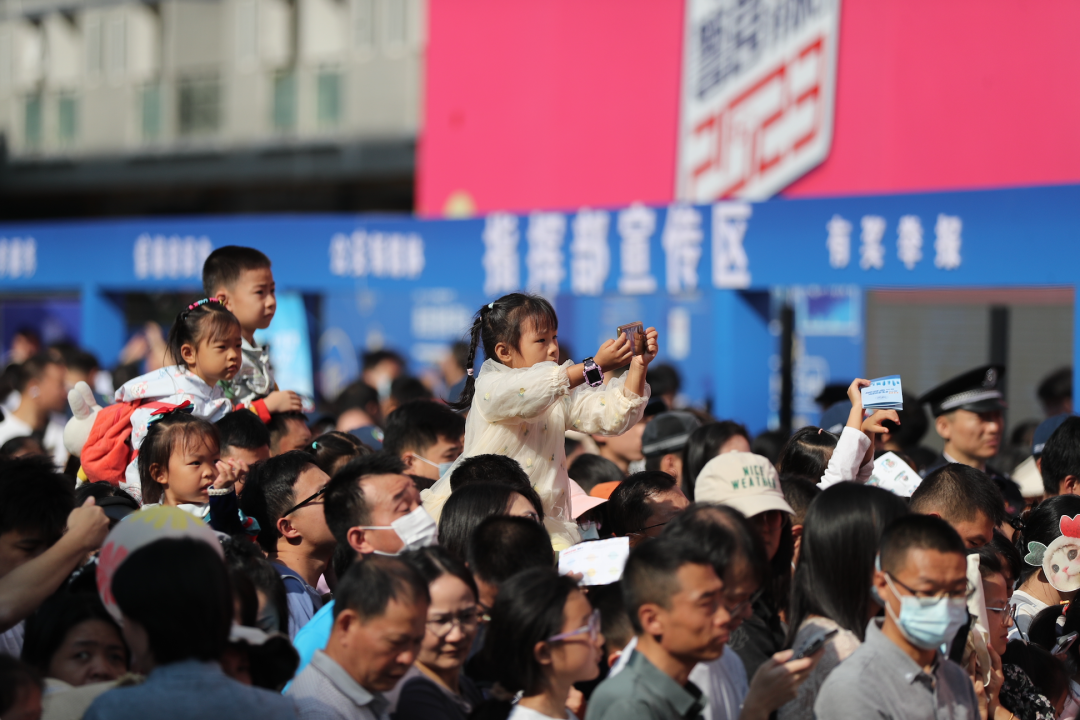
880,681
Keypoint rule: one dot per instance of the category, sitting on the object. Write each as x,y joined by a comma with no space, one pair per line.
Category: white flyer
893,474
599,562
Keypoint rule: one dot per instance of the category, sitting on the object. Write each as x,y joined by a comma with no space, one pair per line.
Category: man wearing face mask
372,508
427,436
900,671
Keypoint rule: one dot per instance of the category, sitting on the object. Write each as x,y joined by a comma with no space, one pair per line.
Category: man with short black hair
1060,459
427,436
243,436
489,468
665,438
965,498
643,503
362,502
676,604
285,496
40,384
380,617
898,671
288,431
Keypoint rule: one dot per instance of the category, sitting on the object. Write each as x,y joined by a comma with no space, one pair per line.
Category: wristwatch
594,376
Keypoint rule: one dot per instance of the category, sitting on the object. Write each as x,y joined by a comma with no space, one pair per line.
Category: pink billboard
557,104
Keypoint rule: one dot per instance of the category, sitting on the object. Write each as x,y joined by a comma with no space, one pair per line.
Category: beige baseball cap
744,481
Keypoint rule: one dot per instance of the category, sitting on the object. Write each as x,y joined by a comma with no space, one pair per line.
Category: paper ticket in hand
893,474
883,394
600,562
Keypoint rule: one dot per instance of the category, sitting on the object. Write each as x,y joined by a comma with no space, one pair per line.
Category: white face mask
442,467
417,530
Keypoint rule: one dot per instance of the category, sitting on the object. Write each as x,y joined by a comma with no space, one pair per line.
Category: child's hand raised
283,401
230,472
614,354
652,346
873,424
854,392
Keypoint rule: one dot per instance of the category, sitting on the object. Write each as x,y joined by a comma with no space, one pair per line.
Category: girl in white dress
523,401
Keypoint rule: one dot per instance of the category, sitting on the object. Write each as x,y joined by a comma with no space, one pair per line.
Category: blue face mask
589,531
928,623
442,467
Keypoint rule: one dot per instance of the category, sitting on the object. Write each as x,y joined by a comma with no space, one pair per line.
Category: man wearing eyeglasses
285,496
362,502
900,671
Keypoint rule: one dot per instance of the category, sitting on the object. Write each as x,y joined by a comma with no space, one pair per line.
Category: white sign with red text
759,84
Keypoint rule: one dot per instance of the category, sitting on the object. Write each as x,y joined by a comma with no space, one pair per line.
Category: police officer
967,414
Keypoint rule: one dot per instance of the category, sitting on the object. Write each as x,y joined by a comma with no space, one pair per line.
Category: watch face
592,374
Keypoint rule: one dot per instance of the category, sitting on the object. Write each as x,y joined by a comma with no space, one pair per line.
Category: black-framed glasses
650,527
308,501
927,595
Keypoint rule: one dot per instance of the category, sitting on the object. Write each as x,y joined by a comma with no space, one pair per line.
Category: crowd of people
191,544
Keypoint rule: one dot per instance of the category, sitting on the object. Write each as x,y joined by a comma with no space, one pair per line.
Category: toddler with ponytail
522,401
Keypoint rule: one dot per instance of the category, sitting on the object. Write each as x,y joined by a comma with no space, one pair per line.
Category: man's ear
1070,485
943,425
650,615
285,528
223,297
358,541
881,585
410,460
669,464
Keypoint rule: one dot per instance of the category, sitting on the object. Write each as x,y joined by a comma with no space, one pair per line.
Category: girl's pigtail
465,401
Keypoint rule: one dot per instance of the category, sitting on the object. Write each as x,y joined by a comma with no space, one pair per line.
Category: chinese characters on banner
909,242
759,80
18,257
636,229
157,256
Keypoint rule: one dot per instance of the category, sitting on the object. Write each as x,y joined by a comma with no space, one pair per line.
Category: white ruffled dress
523,413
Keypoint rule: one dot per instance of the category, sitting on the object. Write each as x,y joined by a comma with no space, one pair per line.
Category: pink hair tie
469,372
819,431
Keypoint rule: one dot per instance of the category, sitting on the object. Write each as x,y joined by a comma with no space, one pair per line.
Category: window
150,111
364,23
396,12
199,105
328,98
95,61
33,121
247,31
116,46
284,109
67,117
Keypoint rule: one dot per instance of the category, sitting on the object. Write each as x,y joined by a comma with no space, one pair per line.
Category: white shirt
53,440
846,463
1027,607
524,713
524,413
